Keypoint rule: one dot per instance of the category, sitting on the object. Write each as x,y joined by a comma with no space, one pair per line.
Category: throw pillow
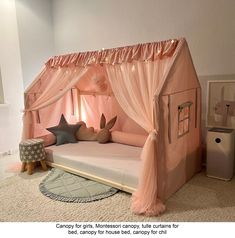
86,133
128,138
64,132
49,139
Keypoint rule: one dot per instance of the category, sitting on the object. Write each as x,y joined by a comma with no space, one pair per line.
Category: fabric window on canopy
135,74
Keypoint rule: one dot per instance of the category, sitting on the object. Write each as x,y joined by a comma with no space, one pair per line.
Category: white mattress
112,161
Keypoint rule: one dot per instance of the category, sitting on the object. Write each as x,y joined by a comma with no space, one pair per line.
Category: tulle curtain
134,86
58,82
62,80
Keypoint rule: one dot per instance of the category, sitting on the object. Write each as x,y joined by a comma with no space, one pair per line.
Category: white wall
1,89
10,115
209,27
36,36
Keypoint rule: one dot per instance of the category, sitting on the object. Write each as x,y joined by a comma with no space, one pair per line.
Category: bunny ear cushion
102,121
111,123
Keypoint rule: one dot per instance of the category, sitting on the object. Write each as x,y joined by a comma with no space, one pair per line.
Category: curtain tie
153,134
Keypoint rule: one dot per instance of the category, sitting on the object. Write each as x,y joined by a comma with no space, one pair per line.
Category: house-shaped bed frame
152,88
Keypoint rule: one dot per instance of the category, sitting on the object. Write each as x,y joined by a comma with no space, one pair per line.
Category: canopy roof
94,61
139,52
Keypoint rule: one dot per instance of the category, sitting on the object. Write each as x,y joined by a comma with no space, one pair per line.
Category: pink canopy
145,85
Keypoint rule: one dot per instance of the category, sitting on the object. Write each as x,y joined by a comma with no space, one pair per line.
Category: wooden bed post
79,104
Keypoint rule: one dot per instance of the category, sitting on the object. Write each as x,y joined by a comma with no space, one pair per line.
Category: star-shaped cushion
64,132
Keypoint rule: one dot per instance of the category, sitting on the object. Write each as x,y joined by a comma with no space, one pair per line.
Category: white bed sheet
112,161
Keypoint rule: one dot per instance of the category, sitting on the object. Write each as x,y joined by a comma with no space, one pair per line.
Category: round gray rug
66,187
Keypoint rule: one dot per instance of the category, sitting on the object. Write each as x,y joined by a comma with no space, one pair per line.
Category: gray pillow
64,132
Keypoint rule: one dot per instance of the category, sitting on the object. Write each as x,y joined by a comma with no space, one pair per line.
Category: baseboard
9,152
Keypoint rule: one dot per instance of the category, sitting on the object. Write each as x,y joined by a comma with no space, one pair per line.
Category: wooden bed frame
92,177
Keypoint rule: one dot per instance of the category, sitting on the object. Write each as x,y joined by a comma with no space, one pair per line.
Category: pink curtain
134,86
58,83
62,80
93,106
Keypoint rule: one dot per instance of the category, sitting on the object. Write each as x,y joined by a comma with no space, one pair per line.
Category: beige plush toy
86,133
89,134
104,134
